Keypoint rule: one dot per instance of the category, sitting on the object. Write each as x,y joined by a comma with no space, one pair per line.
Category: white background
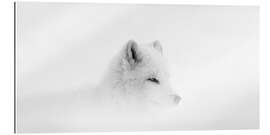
213,52
7,80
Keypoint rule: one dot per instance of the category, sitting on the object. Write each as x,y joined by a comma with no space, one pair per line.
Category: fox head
139,74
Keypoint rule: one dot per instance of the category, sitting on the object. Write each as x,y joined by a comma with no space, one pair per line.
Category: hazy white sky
213,52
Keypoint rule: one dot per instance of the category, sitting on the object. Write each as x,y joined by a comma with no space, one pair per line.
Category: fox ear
133,55
157,46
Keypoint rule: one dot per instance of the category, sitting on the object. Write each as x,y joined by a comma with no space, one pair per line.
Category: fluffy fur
138,76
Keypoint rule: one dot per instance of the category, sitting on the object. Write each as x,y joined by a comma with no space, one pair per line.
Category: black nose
176,99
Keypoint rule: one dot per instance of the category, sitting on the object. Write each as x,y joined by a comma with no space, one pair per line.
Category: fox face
139,74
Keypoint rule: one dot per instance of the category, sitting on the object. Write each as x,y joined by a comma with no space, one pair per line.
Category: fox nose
176,99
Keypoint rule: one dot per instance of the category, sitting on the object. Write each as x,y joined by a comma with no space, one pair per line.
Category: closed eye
154,80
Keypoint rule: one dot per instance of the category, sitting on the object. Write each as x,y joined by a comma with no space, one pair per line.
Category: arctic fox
138,76
137,82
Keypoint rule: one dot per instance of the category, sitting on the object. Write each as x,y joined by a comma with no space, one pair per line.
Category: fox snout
176,99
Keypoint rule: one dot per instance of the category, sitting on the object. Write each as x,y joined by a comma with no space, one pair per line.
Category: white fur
129,86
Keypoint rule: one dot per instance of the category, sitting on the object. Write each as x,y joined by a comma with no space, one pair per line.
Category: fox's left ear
133,55
157,46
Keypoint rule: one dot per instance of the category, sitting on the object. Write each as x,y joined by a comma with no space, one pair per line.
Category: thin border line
15,67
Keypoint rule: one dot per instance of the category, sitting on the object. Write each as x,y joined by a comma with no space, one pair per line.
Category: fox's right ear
157,46
132,53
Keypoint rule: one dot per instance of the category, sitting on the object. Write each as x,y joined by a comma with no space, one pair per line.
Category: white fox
138,76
